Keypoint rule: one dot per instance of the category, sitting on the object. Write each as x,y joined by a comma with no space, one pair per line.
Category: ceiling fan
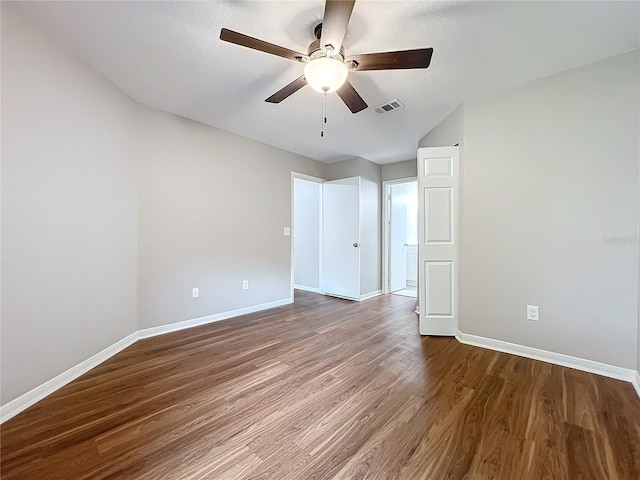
327,67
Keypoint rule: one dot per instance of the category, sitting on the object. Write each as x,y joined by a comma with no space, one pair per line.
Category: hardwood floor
326,389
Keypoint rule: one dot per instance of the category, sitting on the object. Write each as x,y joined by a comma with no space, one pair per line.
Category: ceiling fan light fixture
325,74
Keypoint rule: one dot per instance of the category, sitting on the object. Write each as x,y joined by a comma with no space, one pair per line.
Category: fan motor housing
315,51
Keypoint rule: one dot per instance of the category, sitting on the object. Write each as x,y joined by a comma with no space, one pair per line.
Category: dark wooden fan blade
260,45
419,58
351,98
290,89
334,25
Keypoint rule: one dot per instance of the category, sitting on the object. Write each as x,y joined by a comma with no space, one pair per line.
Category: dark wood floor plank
548,463
325,389
581,394
384,454
619,428
583,443
547,414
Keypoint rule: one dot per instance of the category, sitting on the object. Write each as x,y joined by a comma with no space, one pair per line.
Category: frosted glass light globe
325,74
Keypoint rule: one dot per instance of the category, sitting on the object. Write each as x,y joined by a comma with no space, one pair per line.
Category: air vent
390,106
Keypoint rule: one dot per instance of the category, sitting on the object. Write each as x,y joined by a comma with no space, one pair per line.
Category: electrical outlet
195,292
245,284
287,231
533,313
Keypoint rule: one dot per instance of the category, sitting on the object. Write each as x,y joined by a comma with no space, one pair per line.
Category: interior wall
447,133
68,211
549,205
371,215
211,211
399,170
306,233
112,212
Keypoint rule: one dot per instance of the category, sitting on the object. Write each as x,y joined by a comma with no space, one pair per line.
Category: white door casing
438,240
309,178
397,237
341,238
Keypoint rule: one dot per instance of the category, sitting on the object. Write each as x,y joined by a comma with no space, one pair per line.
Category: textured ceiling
167,55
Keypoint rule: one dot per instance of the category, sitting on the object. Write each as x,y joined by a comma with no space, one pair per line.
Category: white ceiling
167,55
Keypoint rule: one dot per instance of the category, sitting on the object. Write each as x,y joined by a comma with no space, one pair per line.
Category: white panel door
341,238
397,237
438,240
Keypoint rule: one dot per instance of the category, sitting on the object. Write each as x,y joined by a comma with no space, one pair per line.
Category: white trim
366,296
196,322
14,407
369,295
309,178
636,383
385,227
549,357
307,289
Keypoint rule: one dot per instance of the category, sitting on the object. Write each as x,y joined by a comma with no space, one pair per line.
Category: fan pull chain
324,113
322,120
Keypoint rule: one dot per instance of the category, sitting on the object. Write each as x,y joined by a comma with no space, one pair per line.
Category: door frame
309,178
386,231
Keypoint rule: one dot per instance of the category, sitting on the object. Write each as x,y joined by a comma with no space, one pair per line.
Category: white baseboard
366,296
636,383
369,295
307,289
14,407
550,357
412,283
195,322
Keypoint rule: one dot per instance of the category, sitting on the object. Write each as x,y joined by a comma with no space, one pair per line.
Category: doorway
306,255
326,246
401,237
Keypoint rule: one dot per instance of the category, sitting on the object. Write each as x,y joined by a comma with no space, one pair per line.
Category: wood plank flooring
326,389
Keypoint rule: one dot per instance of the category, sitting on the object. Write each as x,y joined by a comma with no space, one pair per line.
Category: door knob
356,245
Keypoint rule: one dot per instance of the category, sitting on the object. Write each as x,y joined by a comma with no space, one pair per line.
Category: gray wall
399,170
371,208
68,211
550,185
112,212
211,212
447,133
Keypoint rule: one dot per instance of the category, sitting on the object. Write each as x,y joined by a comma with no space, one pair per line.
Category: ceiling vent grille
390,106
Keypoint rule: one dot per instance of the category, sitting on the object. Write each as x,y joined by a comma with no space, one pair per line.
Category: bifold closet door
438,240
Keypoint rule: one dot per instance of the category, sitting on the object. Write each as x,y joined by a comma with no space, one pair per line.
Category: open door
341,238
438,240
397,237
